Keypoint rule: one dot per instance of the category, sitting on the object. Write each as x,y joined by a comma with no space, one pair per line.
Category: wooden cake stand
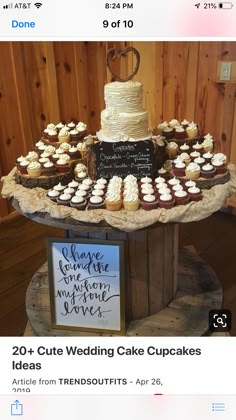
168,293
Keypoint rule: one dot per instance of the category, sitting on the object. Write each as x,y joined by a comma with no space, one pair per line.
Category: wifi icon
38,5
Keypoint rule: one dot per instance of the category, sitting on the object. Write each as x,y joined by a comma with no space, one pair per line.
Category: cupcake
65,147
192,130
75,135
42,161
34,169
195,194
200,161
146,180
184,148
173,181
219,166
81,127
64,135
82,193
193,171
179,168
23,166
19,160
208,171
59,126
163,173
185,123
180,133
207,156
177,187
41,148
172,149
96,202
74,153
78,203
168,133
64,199
80,176
71,125
54,158
185,158
32,156
80,167
197,147
149,202
113,201
160,180
53,195
220,156
69,190
45,133
45,155
166,201
50,149
131,201
173,123
194,155
208,143
59,187
87,188
97,193
181,197
38,144
164,190
49,169
161,127
62,166
52,135
189,184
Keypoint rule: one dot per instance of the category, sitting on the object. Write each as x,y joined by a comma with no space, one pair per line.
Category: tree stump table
167,293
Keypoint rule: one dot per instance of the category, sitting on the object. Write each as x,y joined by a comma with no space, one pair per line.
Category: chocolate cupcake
208,156
166,201
52,136
195,155
90,183
163,191
197,147
177,187
73,184
19,160
82,193
149,202
96,202
59,126
189,184
173,181
181,197
168,133
74,153
75,135
71,125
195,194
59,187
78,203
219,166
62,166
185,148
86,188
53,195
49,169
208,171
69,190
180,133
64,199
179,168
82,128
162,172
185,123
146,180
200,161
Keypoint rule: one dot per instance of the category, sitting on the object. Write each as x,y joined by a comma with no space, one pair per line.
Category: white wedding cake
124,118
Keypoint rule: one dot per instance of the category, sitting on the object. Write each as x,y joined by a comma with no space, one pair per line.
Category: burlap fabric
35,200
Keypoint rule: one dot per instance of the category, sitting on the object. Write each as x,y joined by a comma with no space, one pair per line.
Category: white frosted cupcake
193,171
34,169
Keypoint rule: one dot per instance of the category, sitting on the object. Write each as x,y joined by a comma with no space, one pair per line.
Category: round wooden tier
155,280
206,184
185,315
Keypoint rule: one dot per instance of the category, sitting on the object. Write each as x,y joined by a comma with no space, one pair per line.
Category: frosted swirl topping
64,156
77,200
73,184
208,155
102,181
220,156
146,180
42,147
173,123
164,191
195,154
98,192
180,194
62,161
193,167
190,184
192,126
65,197
172,145
199,160
95,199
55,156
209,137
162,171
159,180
185,122
20,159
73,149
81,126
207,167
131,197
177,187
50,149
81,147
64,132
51,126
74,132
217,162
184,147
179,129
149,198
60,151
64,146
99,186
39,143
53,193
81,174
59,187
81,167
174,181
60,125
194,190
84,187
147,190
69,190
197,146
45,155
81,193
48,164
113,196
184,156
180,164
130,178
52,132
87,181
32,156
71,124
34,165
166,197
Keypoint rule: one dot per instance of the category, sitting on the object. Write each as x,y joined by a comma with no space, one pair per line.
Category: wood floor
22,251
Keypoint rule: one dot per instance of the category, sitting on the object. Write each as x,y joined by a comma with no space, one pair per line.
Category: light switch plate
225,71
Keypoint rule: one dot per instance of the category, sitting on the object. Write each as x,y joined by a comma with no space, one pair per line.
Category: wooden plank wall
42,82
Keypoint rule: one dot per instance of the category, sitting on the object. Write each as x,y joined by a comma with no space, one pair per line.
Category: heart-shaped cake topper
115,53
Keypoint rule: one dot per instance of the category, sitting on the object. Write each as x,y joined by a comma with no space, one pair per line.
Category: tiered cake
124,117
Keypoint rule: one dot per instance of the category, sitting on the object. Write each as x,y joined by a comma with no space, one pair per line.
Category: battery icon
225,5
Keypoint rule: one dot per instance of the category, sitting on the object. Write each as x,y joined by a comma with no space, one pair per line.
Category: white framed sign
86,284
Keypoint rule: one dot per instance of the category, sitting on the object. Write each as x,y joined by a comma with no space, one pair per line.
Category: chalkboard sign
124,158
86,285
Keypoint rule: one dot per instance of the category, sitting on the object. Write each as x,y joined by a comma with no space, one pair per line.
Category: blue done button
20,24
